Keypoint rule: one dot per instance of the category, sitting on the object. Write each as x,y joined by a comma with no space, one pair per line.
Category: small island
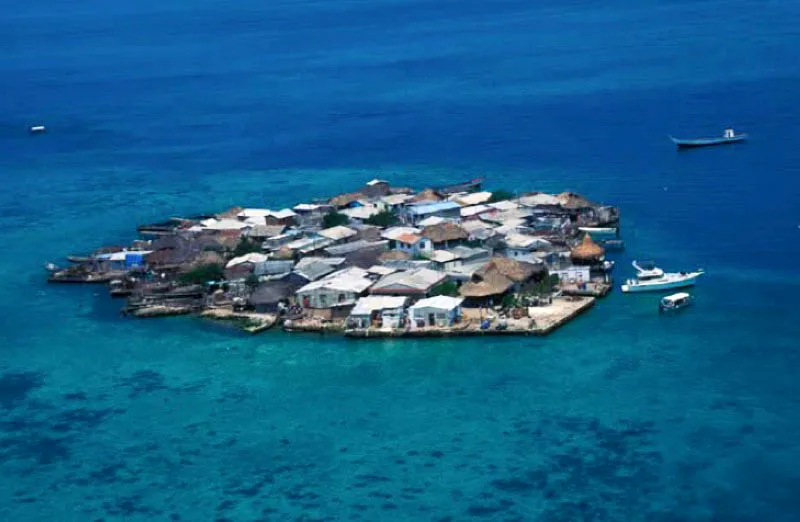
380,261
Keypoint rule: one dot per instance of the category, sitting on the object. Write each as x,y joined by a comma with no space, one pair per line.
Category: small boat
675,302
650,278
600,232
728,137
612,244
37,129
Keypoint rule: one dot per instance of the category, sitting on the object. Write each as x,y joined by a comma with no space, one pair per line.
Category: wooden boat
728,137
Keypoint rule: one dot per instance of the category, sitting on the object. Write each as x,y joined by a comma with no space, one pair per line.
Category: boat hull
660,286
707,142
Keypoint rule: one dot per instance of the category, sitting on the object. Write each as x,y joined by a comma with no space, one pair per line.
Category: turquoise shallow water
158,110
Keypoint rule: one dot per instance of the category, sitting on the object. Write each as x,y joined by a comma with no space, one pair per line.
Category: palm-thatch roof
442,232
394,255
283,252
573,201
516,271
208,258
425,195
587,250
486,285
345,199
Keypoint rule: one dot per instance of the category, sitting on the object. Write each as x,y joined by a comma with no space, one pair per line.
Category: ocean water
163,108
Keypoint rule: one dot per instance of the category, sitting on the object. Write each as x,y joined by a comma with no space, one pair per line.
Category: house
254,215
523,245
478,230
445,209
355,246
338,234
307,245
218,225
243,266
445,235
346,200
441,311
472,255
542,203
473,212
444,260
500,277
472,198
365,232
570,273
271,296
276,242
310,214
412,244
503,206
376,188
313,268
341,288
426,196
395,201
263,232
394,232
383,311
433,220
362,212
415,282
284,217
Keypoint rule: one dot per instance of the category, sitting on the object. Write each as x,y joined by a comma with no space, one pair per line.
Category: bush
203,274
383,219
509,301
245,246
500,195
334,219
448,288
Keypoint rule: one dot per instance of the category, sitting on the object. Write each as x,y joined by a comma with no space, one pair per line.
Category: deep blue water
157,109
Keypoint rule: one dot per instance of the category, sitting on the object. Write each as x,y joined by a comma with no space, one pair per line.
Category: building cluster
378,257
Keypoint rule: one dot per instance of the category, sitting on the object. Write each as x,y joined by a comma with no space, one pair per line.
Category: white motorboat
675,302
650,278
601,232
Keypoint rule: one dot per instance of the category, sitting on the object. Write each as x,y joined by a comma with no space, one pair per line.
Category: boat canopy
675,297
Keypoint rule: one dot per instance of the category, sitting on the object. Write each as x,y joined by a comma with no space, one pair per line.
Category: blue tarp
134,259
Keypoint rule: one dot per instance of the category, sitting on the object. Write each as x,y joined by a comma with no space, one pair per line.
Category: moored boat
650,278
675,302
601,232
728,137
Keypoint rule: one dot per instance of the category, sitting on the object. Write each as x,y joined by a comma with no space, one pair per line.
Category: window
323,300
342,297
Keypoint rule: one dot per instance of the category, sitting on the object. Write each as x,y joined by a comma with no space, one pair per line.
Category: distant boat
37,129
728,137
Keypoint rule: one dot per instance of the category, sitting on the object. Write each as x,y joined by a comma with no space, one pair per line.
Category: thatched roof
573,201
425,195
283,252
394,255
485,285
516,271
587,250
208,258
345,199
444,232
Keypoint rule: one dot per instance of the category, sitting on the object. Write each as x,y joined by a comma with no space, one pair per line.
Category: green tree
246,246
383,219
501,195
203,274
334,219
449,288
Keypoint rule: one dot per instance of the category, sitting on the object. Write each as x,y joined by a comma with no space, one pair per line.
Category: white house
522,245
440,310
388,309
340,288
571,274
445,260
412,244
338,234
